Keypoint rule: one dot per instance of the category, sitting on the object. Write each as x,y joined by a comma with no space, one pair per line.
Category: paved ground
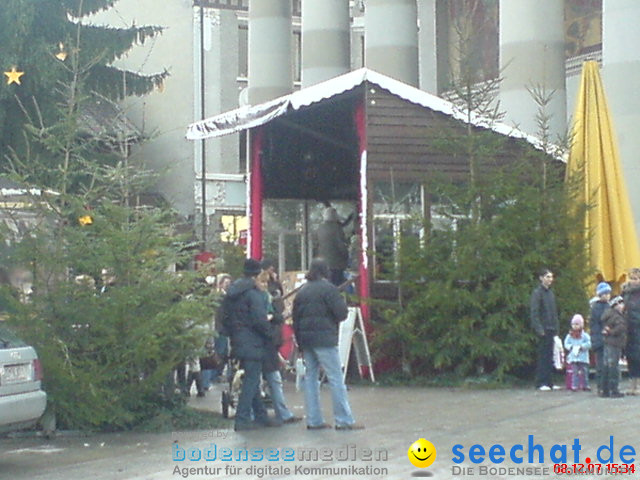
395,418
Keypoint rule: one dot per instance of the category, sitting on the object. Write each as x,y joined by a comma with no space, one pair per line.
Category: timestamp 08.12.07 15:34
594,468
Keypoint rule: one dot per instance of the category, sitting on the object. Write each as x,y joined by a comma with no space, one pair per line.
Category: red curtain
363,280
256,192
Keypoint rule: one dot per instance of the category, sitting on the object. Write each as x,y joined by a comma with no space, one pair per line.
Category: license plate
15,373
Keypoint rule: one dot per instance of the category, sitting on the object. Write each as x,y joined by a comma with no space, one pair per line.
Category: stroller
234,375
219,360
230,394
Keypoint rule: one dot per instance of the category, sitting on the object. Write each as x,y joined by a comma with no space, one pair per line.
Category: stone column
532,56
620,74
391,38
325,40
427,40
270,40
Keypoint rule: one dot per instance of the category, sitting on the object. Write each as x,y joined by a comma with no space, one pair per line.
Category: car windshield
8,339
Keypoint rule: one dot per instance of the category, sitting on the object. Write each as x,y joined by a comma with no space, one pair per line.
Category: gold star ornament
13,76
85,220
61,55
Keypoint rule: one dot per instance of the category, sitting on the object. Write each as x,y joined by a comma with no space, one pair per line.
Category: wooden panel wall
410,139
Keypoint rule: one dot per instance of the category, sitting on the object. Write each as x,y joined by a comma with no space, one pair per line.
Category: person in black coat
544,321
245,319
598,307
331,244
318,309
631,296
615,338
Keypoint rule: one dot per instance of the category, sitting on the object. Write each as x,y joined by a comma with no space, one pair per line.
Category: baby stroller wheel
226,402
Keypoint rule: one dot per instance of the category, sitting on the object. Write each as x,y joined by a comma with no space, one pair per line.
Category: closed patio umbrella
609,229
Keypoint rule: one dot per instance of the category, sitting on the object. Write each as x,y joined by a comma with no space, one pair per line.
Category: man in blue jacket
245,319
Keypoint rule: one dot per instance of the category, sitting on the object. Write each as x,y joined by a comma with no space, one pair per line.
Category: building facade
226,53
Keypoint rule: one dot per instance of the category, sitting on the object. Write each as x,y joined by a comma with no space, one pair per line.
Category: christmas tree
38,39
109,316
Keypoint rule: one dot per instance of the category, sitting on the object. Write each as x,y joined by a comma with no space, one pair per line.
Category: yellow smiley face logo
422,453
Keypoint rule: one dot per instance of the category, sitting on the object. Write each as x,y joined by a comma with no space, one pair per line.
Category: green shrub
107,357
466,290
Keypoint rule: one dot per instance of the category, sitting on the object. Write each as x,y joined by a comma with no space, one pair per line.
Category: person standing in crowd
331,245
631,296
194,376
273,360
245,318
318,309
544,321
598,307
217,348
108,279
578,343
274,286
615,337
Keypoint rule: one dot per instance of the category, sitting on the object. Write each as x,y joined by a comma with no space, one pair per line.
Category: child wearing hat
614,335
598,307
578,343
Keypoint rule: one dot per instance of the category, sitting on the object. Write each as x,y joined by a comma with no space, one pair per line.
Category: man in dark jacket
318,309
598,307
544,321
631,296
245,318
615,337
332,246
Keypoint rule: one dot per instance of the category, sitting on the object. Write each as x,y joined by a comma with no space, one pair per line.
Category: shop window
397,213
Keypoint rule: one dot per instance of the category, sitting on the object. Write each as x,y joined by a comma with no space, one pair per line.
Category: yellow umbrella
609,229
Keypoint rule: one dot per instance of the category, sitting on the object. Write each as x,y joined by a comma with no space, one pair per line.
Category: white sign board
352,333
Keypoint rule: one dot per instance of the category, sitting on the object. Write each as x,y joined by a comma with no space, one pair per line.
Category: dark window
296,61
468,41
243,160
243,51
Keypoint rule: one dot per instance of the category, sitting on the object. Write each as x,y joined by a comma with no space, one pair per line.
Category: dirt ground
453,420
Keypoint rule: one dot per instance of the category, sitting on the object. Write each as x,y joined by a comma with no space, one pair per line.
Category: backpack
226,309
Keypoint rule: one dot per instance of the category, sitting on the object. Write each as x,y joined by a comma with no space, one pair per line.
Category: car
22,400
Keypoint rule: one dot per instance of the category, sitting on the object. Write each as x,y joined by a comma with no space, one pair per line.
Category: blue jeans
329,359
208,378
250,399
274,380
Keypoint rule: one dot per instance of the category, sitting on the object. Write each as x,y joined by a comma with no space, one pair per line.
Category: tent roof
251,116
